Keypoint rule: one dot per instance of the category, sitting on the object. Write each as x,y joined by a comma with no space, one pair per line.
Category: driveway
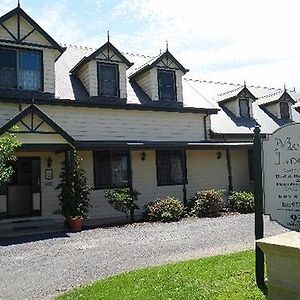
52,263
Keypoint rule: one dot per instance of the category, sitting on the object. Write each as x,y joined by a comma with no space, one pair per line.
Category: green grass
215,278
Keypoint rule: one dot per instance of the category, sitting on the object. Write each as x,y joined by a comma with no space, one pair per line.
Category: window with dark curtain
108,80
20,68
170,167
244,108
284,110
166,85
111,169
30,66
8,68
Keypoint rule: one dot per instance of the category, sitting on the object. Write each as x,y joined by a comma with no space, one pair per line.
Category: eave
136,107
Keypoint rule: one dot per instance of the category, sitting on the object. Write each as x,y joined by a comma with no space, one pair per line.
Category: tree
74,190
8,144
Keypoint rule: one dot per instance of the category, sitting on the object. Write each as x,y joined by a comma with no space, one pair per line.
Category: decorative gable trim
32,110
107,57
19,12
240,92
155,61
274,98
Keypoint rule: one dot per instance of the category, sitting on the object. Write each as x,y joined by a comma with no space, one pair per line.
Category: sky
255,41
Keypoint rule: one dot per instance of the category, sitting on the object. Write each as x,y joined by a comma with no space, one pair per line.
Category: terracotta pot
75,224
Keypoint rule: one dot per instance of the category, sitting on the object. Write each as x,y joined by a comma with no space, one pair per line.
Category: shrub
164,210
123,201
242,202
206,203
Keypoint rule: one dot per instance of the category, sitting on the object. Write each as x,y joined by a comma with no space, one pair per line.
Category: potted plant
74,194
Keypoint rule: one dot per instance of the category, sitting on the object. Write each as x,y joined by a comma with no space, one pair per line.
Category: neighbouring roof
226,123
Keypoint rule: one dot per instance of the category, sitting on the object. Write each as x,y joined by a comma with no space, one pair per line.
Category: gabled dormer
27,55
279,104
238,101
103,73
161,78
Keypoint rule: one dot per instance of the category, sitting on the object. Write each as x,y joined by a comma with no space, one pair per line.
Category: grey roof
275,96
196,93
225,122
68,86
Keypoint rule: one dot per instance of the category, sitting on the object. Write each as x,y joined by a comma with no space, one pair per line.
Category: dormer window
284,110
244,108
21,69
166,85
108,80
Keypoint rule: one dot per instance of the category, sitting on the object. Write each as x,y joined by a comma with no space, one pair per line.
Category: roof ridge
93,48
235,84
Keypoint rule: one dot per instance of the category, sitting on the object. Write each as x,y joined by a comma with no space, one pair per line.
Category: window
166,85
284,110
170,167
244,108
21,69
111,169
108,80
250,164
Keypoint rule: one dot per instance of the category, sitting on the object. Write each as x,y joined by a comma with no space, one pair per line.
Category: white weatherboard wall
240,170
116,124
206,171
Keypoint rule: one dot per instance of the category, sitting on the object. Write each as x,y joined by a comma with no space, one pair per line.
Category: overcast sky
230,40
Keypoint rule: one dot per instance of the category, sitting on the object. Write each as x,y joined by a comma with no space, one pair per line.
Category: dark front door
24,188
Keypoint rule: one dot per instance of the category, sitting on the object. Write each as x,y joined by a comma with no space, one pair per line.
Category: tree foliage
123,200
8,144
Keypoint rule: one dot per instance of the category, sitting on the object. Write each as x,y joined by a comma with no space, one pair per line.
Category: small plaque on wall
49,174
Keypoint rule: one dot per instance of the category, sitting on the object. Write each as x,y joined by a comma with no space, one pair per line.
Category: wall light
219,154
143,156
49,162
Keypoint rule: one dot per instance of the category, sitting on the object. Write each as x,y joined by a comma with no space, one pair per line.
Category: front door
24,189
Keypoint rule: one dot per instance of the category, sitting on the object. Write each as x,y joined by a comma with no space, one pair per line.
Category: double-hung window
284,110
111,169
166,85
170,167
20,69
244,108
108,80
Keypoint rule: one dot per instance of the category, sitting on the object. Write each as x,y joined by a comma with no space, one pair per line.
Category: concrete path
52,263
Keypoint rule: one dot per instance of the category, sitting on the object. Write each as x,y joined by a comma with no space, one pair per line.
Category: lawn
219,277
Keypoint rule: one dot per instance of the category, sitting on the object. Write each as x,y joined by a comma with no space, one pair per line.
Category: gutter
205,126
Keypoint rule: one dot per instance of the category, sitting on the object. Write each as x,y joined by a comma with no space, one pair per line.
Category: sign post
258,199
276,183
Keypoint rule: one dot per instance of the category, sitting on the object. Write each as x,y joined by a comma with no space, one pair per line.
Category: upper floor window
21,69
170,167
111,169
284,110
244,108
108,80
166,85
